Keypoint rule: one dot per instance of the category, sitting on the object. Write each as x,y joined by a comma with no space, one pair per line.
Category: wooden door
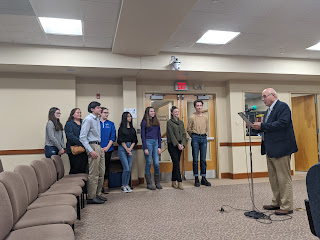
305,129
209,111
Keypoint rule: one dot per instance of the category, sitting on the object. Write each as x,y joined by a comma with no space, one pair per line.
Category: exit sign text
180,86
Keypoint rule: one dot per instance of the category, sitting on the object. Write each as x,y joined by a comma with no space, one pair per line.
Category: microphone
254,107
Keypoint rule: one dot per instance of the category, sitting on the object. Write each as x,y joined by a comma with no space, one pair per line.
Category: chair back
313,189
42,173
17,192
30,180
6,216
52,170
59,165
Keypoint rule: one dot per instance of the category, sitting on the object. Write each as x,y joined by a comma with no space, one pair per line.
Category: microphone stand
252,214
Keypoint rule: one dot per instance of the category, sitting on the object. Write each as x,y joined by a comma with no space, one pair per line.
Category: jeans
126,162
152,146
50,150
175,155
199,143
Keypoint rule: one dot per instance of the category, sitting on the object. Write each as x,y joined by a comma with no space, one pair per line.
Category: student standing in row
108,137
151,143
127,139
197,130
176,139
79,162
90,137
54,144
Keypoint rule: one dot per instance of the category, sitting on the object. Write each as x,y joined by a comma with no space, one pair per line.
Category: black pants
107,158
78,163
175,154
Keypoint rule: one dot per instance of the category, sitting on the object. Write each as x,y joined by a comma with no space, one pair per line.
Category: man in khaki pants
278,143
90,137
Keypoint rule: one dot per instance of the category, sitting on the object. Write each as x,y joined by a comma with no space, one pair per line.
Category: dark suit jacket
279,139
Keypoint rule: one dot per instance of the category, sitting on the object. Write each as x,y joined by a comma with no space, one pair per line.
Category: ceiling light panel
60,26
217,37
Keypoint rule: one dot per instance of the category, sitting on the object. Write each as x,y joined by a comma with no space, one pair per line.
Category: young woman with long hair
127,139
79,162
176,138
54,144
151,143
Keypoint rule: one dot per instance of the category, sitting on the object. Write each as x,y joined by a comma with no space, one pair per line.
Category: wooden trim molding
246,175
39,151
239,144
21,152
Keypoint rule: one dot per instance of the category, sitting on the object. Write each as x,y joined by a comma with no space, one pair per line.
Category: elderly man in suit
278,143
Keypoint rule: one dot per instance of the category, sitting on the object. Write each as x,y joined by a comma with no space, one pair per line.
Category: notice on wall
132,111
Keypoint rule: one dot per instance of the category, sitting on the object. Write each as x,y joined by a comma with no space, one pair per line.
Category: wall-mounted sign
133,112
180,86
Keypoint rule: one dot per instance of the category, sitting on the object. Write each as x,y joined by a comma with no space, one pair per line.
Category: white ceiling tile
95,28
256,8
104,1
107,12
98,42
19,23
62,40
69,9
23,37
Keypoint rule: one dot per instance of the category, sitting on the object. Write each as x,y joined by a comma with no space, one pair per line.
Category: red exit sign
180,86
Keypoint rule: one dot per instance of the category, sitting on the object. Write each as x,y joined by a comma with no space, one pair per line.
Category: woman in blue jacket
79,162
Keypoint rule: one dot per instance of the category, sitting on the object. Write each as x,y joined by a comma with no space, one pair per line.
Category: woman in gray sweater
176,138
54,134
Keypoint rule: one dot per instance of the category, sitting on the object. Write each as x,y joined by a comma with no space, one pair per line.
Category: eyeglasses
58,113
265,96
129,116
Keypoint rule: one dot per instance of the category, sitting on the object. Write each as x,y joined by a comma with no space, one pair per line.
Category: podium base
255,214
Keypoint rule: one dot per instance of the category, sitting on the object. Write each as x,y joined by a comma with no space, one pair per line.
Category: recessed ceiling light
61,26
314,47
217,37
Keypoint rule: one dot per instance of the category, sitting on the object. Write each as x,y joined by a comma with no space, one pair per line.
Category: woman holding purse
77,155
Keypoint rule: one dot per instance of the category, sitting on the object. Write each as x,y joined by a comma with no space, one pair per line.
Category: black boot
205,182
157,181
149,182
196,182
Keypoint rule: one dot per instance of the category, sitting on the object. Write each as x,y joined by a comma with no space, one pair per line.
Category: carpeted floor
191,214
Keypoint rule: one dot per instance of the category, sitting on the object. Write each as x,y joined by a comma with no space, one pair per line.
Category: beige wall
25,102
24,107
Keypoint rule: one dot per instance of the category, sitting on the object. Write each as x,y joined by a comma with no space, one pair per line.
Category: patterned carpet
191,214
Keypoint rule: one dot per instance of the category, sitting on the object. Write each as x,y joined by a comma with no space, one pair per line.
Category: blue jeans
152,146
199,143
50,150
126,162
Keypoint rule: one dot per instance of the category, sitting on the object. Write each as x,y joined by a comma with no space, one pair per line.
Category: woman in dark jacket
176,138
127,139
79,162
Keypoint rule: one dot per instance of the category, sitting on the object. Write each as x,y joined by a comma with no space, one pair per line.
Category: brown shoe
106,186
270,207
174,184
283,212
180,185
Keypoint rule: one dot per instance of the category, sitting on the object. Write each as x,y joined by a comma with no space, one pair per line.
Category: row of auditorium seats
39,202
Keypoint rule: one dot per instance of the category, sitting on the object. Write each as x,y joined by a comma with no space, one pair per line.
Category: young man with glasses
278,143
90,137
197,130
108,137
